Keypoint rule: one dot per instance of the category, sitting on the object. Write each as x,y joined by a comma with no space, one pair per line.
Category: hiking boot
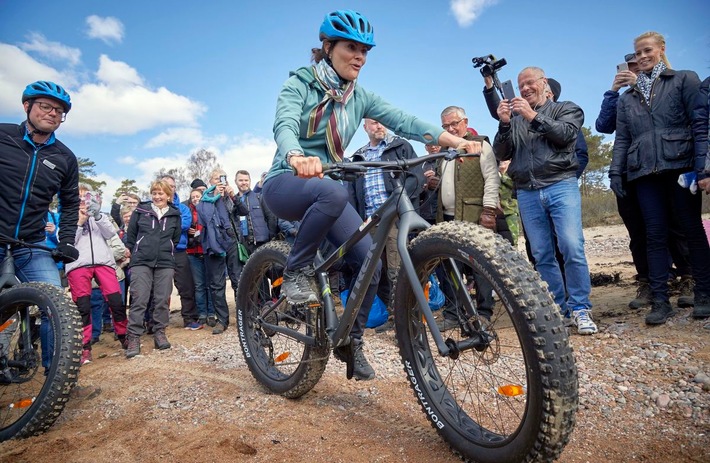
161,341
122,339
133,346
108,328
202,320
211,321
702,306
643,295
686,298
218,328
86,357
660,311
583,321
386,326
362,370
298,285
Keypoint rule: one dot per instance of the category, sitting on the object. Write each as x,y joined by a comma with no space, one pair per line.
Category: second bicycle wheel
283,362
514,399
40,348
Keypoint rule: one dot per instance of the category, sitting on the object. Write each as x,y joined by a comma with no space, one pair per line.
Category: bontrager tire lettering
303,365
529,318
64,369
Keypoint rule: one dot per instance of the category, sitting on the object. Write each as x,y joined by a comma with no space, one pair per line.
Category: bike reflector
511,390
280,358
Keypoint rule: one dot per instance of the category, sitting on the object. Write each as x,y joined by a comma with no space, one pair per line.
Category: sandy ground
198,402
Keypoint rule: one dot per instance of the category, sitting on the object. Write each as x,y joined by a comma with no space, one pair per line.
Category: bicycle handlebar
360,167
57,255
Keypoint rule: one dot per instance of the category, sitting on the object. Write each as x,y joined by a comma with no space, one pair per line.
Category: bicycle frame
8,278
397,206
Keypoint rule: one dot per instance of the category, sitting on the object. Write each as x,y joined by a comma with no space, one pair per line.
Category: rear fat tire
64,369
552,398
304,365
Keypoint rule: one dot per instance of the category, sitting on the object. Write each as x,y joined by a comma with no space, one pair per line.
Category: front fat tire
530,320
64,369
302,365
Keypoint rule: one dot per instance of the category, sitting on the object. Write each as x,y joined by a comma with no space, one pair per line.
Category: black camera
489,64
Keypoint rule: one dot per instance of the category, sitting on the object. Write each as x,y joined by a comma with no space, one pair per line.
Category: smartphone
223,179
508,91
622,67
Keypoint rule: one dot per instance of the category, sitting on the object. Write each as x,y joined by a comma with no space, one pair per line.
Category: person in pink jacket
95,261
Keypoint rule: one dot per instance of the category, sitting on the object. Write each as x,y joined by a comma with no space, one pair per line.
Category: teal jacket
301,93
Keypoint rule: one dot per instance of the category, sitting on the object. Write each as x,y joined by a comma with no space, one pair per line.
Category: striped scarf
338,94
644,82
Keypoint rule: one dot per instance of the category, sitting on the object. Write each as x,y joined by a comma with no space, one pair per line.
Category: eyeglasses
47,108
529,83
452,124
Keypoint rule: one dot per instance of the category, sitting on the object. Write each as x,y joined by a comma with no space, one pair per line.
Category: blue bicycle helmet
44,88
348,25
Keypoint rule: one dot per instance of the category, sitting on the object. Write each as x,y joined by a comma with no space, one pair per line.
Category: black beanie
197,183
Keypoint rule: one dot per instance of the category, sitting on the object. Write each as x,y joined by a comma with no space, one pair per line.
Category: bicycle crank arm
310,340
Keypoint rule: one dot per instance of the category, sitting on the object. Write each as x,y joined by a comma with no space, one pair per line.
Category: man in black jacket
35,166
539,140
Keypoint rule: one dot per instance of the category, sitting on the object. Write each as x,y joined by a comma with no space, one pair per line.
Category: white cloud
109,29
127,160
117,73
120,104
17,70
53,51
467,11
177,136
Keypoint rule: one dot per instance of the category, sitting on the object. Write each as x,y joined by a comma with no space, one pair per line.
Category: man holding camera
538,135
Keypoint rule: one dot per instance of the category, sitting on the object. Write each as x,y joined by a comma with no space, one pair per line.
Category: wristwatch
291,154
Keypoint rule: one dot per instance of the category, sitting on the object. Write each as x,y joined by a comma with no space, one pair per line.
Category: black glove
616,187
66,253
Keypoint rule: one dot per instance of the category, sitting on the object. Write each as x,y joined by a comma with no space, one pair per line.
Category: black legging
324,211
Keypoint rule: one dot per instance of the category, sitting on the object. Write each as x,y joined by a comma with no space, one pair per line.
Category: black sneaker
702,306
686,298
211,321
643,295
298,285
362,370
660,311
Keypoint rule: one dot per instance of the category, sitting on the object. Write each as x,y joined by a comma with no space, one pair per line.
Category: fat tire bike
40,349
498,385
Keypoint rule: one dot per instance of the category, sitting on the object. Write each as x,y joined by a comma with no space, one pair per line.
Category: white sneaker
583,320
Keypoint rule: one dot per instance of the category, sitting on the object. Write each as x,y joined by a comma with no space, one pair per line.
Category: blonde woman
153,232
654,145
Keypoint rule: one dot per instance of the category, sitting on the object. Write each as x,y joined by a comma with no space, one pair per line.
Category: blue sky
153,81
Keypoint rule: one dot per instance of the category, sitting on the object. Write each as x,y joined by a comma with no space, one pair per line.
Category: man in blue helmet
36,166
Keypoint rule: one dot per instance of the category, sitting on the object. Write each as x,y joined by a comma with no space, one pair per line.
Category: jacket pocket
471,209
633,158
677,145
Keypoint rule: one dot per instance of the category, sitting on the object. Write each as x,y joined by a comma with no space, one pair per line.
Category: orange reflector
9,322
277,282
511,390
24,403
282,357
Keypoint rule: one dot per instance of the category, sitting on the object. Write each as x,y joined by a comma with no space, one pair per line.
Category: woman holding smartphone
654,145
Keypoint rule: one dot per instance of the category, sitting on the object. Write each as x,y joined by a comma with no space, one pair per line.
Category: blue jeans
100,313
38,265
205,307
324,211
557,209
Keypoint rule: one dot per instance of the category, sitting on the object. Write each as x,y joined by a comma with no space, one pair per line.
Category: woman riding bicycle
318,111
